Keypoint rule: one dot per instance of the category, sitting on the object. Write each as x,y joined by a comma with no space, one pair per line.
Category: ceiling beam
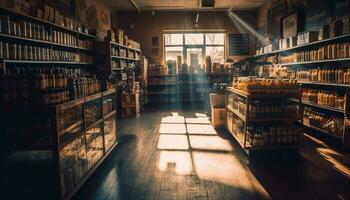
135,5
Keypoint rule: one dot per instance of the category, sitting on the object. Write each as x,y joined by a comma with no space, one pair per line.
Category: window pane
216,53
194,38
173,39
171,53
215,38
194,57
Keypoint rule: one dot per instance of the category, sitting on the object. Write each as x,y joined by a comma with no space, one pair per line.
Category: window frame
202,46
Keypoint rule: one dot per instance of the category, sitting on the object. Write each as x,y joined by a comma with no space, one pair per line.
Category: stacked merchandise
335,28
133,44
337,76
256,106
157,70
255,86
14,51
326,52
130,105
119,36
331,124
162,81
260,136
48,14
46,85
324,98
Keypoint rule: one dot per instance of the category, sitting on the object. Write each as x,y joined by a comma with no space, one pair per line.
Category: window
194,47
173,52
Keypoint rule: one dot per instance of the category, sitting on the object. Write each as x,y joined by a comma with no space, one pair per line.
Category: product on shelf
341,76
326,52
260,136
267,86
46,85
156,70
32,30
324,98
13,51
331,124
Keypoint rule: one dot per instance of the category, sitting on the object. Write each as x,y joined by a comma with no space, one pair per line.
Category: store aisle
173,154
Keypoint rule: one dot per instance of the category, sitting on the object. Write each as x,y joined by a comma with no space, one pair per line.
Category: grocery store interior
174,99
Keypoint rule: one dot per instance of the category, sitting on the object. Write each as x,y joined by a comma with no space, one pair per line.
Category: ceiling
176,5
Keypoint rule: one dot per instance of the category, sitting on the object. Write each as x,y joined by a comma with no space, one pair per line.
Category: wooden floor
173,154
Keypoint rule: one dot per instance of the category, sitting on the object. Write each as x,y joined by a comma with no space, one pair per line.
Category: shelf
162,93
49,108
329,108
242,117
125,58
118,69
261,119
316,62
164,75
162,84
194,83
274,147
321,131
324,84
258,96
124,46
45,62
43,42
294,100
239,138
304,45
110,114
46,22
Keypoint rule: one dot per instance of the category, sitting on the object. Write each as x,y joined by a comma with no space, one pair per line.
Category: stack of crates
130,105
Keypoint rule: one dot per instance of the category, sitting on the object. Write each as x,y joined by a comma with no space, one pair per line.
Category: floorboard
156,159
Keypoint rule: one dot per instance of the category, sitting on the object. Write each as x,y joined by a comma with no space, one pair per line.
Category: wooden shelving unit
312,44
343,88
48,44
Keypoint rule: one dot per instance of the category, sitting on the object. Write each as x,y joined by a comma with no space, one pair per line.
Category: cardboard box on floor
218,110
217,100
218,117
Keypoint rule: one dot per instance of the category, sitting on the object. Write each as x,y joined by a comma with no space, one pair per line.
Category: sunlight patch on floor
181,161
201,120
215,143
200,129
173,142
172,128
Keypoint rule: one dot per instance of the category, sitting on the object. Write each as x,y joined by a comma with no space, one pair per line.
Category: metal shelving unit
238,121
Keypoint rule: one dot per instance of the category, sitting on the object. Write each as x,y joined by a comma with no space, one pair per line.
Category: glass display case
110,127
108,104
94,142
73,164
78,144
92,111
70,119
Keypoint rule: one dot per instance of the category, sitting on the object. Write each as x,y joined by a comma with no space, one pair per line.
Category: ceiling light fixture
208,3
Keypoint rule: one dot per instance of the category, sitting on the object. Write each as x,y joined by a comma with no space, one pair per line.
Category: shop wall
101,21
316,14
143,26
